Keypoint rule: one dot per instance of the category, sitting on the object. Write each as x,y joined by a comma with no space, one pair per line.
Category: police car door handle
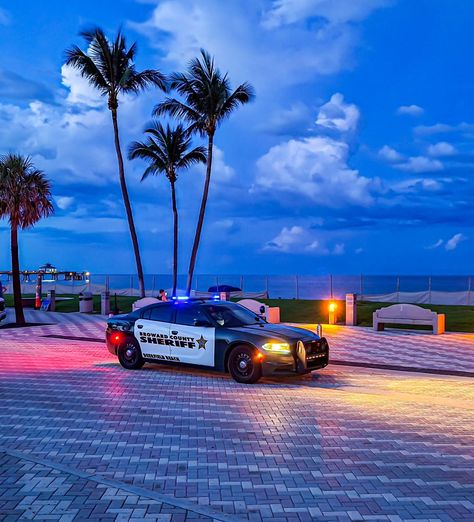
139,326
174,332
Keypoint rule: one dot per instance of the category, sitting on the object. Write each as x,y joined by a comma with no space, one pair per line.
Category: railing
392,288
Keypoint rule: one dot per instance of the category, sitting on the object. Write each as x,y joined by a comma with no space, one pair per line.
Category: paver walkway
408,348
82,438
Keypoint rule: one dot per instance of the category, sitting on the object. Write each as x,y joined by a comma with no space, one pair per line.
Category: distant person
162,295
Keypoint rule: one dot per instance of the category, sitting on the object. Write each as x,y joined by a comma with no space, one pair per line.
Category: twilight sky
356,155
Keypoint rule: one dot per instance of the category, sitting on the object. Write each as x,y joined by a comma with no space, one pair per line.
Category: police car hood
290,333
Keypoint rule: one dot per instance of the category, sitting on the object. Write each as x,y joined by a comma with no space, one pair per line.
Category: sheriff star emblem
201,343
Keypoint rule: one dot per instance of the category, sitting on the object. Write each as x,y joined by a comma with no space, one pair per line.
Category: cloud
417,185
452,244
295,118
80,91
72,140
64,202
443,128
316,167
220,170
287,240
232,31
389,154
449,244
284,12
336,115
14,87
420,164
437,244
412,110
441,148
296,240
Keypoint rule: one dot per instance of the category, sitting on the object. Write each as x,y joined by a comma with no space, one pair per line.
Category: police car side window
187,315
162,313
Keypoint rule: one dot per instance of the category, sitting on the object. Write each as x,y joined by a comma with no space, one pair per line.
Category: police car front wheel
130,356
244,366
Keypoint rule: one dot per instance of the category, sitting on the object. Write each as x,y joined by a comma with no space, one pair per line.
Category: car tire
243,365
130,355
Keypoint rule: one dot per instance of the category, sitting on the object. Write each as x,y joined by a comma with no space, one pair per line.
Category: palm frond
242,95
167,150
77,59
178,109
25,192
109,65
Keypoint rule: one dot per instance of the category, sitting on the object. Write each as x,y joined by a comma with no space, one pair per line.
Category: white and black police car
213,334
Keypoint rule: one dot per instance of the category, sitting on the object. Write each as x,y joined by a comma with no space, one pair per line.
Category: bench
269,313
144,301
408,314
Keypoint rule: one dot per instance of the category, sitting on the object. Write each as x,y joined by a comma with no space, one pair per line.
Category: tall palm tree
109,67
25,198
207,99
168,151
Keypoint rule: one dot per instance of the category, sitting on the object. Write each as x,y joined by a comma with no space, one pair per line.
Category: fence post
242,283
153,284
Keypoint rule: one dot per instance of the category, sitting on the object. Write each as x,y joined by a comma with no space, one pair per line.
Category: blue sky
355,157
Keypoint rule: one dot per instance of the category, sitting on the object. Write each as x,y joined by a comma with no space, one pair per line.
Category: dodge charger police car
216,334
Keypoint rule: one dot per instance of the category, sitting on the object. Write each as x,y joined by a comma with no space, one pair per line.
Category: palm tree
167,151
109,67
25,198
207,100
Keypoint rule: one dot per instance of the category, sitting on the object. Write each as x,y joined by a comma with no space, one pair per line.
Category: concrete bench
408,314
269,313
144,301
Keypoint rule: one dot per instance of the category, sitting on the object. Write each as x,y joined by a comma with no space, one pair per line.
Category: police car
214,334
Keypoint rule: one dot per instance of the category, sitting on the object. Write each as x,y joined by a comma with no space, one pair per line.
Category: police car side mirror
262,309
202,323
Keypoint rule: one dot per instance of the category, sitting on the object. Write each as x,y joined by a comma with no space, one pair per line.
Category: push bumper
305,359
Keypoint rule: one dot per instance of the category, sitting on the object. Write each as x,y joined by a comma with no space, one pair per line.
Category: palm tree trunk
202,211
19,315
128,206
175,238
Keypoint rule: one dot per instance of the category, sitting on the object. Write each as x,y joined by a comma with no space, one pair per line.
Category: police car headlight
277,347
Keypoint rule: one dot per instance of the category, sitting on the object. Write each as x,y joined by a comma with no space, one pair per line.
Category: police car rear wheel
130,356
243,365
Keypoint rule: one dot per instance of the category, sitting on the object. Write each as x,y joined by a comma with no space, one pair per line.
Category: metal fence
391,288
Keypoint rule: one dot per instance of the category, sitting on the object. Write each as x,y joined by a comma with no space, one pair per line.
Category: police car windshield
230,316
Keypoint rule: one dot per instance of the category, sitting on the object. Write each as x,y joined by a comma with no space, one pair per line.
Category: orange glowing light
259,356
332,307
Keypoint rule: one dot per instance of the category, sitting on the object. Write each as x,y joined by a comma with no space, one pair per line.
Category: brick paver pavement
341,444
416,349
